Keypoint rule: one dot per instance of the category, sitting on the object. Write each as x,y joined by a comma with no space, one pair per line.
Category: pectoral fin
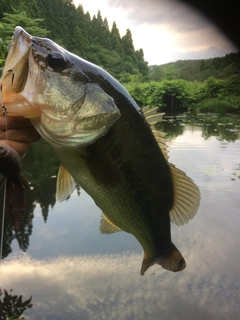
107,227
65,184
186,197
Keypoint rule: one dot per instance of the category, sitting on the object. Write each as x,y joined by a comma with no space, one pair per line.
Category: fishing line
5,185
3,220
4,110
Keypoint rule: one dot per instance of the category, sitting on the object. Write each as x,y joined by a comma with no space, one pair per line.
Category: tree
7,26
115,38
127,43
10,20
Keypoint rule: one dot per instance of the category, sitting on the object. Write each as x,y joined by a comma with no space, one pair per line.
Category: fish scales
105,143
130,185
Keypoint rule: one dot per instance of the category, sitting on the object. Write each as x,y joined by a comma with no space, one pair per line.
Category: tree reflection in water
40,167
12,306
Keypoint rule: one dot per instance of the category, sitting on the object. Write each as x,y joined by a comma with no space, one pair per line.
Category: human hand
18,134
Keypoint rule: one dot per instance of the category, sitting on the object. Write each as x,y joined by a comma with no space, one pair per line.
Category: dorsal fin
186,197
186,193
107,227
153,116
65,184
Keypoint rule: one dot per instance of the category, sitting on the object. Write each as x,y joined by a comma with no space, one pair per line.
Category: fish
10,168
105,142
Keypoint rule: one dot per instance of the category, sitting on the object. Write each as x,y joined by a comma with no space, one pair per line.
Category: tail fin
172,261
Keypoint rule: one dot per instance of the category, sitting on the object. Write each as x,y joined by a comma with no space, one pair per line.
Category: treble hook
13,74
4,110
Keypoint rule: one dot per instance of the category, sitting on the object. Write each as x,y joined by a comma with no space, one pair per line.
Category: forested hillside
201,85
211,85
75,30
197,70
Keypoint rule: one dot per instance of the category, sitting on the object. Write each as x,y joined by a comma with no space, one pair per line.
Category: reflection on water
12,306
73,272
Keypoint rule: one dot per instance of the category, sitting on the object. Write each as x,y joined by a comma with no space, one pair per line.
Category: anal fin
107,227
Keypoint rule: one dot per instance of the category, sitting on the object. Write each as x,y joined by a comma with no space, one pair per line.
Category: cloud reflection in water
95,276
109,286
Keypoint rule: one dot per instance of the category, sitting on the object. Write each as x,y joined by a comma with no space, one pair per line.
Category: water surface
72,271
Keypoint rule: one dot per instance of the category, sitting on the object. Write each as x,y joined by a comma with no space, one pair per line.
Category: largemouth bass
105,143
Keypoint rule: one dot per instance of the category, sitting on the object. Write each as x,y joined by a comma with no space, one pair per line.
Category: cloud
162,28
171,14
171,30
210,52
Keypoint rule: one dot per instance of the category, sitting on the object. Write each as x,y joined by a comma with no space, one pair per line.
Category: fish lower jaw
17,105
26,111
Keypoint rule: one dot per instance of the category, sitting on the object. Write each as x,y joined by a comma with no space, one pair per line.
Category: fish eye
56,60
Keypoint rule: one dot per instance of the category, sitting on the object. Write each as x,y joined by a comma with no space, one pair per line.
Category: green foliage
169,95
11,20
12,306
213,87
230,104
211,84
216,95
73,29
4,45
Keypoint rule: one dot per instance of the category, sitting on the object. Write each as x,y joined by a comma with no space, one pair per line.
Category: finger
14,122
20,147
25,135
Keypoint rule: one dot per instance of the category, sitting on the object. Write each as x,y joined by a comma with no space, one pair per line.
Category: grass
219,105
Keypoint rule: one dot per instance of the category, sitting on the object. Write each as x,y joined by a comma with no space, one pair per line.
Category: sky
166,30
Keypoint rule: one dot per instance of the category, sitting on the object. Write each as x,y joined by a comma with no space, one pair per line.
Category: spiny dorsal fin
107,227
186,193
153,116
65,184
186,197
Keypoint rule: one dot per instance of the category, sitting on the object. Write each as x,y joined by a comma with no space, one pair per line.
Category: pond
58,257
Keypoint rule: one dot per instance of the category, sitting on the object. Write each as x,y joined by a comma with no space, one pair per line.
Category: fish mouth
15,75
16,67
